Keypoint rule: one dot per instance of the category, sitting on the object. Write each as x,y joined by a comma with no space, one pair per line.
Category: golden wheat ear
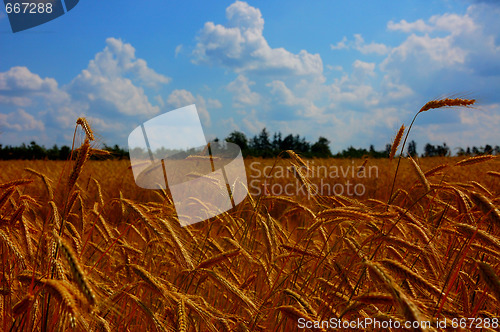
420,174
446,102
86,127
76,269
83,156
397,141
490,278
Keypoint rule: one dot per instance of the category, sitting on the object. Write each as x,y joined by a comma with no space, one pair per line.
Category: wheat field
84,249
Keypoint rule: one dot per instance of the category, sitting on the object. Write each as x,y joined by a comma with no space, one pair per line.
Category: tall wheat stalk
433,104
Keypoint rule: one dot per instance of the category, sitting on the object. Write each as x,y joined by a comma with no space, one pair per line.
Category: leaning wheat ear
76,269
83,156
85,125
397,141
447,102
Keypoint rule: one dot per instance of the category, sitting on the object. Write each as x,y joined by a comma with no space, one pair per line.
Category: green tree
412,148
321,148
238,138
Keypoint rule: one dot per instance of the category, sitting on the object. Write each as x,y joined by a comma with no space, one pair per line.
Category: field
323,244
107,255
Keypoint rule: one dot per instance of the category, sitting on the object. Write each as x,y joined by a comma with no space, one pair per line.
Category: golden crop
84,248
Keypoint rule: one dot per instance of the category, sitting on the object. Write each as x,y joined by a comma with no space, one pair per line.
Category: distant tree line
35,151
261,145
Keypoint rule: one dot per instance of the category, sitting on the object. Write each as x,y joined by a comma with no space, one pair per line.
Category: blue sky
351,71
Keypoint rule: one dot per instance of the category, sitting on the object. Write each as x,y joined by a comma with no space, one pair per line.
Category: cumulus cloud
242,94
31,104
474,128
180,98
20,87
112,85
360,45
118,59
22,80
357,104
452,23
441,55
241,46
253,123
362,70
376,48
20,121
114,81
302,106
426,52
178,50
404,26
341,45
449,51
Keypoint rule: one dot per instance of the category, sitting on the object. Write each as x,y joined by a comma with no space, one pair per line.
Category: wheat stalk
76,270
218,258
82,157
46,182
421,175
435,170
181,316
396,142
486,206
474,160
490,278
85,126
446,102
410,275
302,301
493,173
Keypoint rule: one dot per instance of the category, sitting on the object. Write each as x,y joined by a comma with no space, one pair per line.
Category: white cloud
230,124
341,45
476,127
178,50
360,45
336,68
20,87
118,95
303,106
422,56
395,91
376,48
106,83
449,53
453,23
214,103
240,45
354,91
180,98
362,70
34,103
17,101
242,94
404,26
22,80
485,116
112,85
20,121
252,122
118,59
